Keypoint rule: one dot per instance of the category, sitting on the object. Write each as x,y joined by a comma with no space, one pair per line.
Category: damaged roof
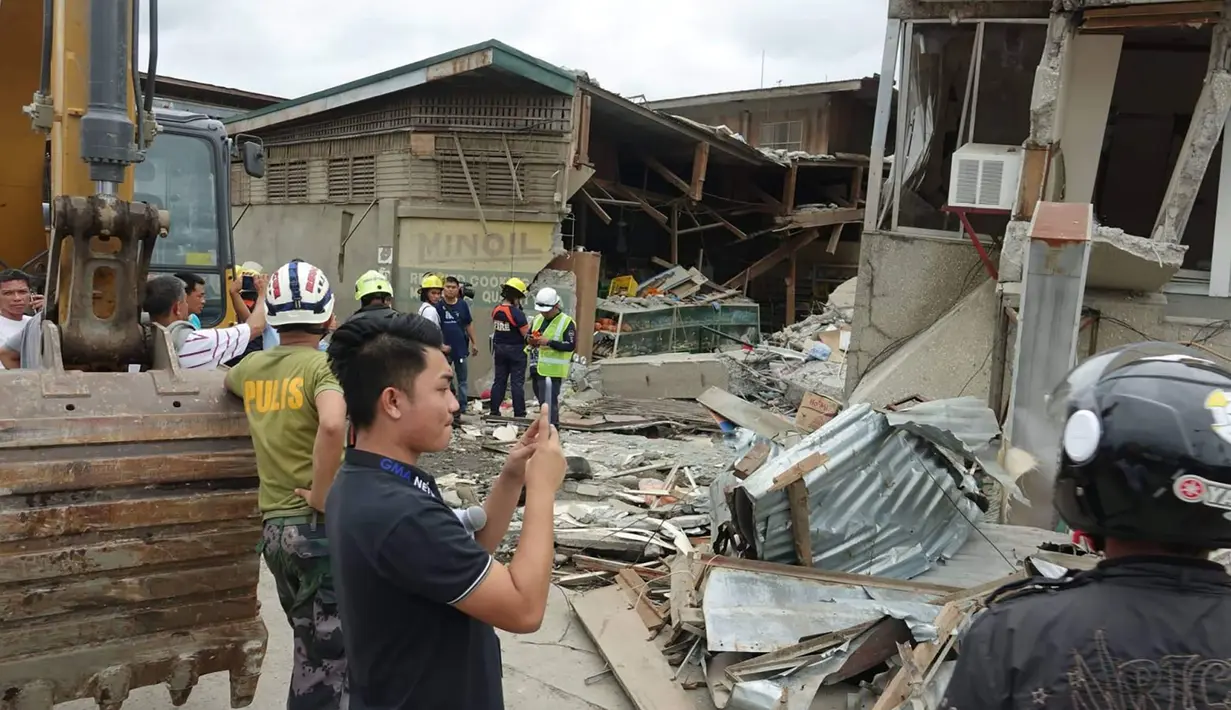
775,92
492,54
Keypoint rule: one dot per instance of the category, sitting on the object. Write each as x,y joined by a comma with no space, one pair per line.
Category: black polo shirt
401,560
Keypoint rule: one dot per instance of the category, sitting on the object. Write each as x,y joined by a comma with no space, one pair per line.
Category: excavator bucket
128,533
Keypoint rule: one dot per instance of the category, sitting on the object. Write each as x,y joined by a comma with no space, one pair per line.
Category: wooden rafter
594,206
772,259
665,173
700,165
723,220
645,206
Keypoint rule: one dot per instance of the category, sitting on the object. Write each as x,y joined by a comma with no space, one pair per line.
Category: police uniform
509,328
1145,458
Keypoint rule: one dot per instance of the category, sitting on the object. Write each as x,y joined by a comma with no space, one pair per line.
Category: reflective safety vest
553,363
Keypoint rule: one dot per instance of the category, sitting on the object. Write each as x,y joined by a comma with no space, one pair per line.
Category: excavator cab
128,509
186,172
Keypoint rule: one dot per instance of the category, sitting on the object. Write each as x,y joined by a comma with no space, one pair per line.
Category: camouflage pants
297,553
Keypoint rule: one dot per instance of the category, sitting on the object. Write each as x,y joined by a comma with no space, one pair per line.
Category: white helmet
546,299
298,293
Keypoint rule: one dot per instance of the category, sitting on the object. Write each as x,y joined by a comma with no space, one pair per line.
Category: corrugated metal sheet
760,612
964,425
887,502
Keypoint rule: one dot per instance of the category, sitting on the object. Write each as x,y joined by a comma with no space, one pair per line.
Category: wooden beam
857,178
665,173
583,131
790,291
594,206
834,237
773,258
788,188
700,164
801,528
768,199
701,228
645,206
730,227
822,218
675,234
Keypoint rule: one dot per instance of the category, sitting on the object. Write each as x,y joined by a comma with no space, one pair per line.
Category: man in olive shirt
298,421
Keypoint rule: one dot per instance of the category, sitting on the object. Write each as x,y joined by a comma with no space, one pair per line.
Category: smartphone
248,283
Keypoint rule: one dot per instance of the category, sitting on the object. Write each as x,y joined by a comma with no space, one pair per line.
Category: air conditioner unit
985,176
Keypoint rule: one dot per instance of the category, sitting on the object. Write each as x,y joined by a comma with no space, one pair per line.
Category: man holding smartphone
419,596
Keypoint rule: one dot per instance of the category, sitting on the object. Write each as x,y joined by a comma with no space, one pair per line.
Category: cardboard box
815,411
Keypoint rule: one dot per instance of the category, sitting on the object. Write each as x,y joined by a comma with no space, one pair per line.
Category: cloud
655,48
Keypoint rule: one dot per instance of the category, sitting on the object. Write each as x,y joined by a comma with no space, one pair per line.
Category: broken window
1157,82
783,135
964,83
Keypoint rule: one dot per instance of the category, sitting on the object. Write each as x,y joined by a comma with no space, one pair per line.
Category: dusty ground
542,671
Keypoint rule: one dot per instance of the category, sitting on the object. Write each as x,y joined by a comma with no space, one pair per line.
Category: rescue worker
509,329
375,296
1145,472
297,416
430,290
553,336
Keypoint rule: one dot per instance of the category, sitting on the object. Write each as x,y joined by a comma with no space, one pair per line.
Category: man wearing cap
554,334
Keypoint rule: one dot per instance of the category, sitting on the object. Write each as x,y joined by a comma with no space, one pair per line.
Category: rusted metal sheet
109,591
128,534
31,471
175,658
75,517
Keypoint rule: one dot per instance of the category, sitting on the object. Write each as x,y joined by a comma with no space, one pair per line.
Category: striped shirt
210,347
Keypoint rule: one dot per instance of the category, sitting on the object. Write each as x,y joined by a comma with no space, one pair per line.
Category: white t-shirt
9,328
213,346
429,312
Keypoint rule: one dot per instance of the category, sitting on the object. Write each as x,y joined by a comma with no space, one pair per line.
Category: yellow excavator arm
128,514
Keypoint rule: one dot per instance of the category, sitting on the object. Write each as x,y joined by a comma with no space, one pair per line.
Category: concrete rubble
681,556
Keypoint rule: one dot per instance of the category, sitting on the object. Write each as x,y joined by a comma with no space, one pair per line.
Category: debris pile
834,567
672,311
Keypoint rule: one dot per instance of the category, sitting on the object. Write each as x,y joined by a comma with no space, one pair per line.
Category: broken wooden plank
801,528
920,657
594,206
754,459
638,665
683,593
581,578
700,165
665,173
635,591
797,472
746,414
647,570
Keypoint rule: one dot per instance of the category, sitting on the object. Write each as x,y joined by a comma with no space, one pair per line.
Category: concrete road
542,671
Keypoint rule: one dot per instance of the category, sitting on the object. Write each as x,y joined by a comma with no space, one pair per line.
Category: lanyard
404,471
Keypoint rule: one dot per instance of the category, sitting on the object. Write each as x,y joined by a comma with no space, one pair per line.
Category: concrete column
880,125
1220,260
386,255
1209,118
1048,321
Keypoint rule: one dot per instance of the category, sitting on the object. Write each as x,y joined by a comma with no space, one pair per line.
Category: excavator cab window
180,175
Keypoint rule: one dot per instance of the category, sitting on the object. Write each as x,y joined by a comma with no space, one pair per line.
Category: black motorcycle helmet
1145,449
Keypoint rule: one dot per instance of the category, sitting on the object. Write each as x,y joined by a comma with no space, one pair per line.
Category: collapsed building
486,163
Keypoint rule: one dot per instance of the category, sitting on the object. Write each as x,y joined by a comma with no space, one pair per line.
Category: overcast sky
656,48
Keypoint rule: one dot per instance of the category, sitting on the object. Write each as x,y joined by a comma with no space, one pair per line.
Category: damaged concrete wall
952,358
906,283
482,255
274,234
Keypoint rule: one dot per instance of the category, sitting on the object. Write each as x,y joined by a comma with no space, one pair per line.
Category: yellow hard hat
431,281
517,284
371,283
